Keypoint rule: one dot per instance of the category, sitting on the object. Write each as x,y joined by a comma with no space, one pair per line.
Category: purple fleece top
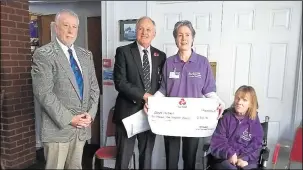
193,78
237,134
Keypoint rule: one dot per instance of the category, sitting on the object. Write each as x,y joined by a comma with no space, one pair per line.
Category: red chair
295,154
108,152
296,150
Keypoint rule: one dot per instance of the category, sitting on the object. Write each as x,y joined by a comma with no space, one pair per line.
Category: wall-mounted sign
107,74
108,83
107,63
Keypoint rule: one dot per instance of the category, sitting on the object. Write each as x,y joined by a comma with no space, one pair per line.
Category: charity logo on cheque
182,103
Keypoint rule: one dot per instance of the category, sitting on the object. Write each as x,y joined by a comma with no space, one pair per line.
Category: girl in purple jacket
237,140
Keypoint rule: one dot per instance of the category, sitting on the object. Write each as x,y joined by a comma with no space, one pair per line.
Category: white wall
82,9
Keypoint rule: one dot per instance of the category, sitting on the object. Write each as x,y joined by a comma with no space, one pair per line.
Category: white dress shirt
149,57
65,50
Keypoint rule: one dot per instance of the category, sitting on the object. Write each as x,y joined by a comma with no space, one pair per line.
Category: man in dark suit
137,75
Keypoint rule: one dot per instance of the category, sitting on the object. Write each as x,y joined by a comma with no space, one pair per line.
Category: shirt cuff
159,94
213,95
230,154
244,158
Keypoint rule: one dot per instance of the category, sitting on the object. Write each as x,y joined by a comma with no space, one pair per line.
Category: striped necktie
146,72
77,72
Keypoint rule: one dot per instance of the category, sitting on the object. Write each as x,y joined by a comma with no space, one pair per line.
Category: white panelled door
253,42
259,47
206,18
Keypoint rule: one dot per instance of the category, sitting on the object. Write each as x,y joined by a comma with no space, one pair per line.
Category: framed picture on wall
128,30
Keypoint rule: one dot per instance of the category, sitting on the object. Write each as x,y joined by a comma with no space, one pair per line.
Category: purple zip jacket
237,134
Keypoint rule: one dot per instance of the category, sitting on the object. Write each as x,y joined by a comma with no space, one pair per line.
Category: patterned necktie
146,71
77,72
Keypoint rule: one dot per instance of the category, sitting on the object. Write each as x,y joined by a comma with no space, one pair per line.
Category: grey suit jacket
55,87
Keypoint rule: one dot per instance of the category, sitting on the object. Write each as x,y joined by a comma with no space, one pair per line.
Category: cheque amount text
202,117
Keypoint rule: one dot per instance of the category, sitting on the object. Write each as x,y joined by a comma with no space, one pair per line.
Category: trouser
226,165
189,151
125,148
67,155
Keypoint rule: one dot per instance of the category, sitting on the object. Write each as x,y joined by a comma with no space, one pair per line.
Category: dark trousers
189,151
226,165
125,148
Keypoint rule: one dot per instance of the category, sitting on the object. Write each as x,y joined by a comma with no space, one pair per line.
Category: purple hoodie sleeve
219,143
252,151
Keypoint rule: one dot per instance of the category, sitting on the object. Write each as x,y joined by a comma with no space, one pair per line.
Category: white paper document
136,123
186,117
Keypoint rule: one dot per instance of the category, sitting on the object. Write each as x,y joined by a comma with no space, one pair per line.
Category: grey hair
66,11
145,17
183,23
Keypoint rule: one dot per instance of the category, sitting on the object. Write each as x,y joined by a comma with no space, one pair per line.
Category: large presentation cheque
186,117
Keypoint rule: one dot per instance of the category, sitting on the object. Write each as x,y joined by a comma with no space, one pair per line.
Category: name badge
174,75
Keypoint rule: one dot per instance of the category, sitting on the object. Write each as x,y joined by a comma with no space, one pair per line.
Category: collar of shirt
193,57
142,53
142,48
65,48
65,51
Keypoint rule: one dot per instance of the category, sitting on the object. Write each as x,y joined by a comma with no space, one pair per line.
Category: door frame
296,113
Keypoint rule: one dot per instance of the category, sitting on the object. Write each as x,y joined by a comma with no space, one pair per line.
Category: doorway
94,45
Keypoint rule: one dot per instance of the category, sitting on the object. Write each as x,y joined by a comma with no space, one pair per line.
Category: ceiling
60,1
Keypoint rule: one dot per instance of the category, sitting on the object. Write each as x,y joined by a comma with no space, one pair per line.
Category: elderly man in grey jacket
65,84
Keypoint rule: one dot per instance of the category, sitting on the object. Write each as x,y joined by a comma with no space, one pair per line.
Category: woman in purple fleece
237,140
